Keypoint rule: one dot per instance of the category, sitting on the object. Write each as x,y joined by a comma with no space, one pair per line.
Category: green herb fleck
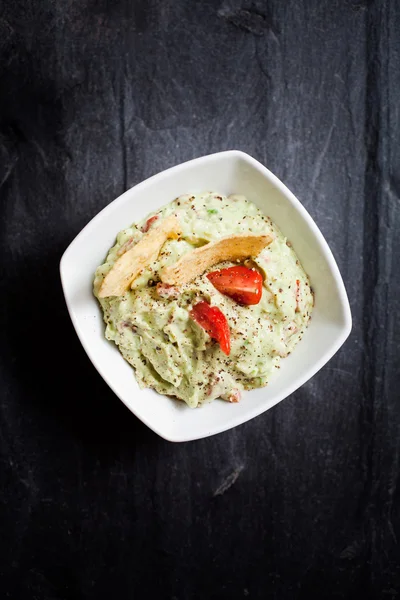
212,211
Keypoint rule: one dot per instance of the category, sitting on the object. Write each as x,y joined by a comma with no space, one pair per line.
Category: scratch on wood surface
342,372
250,21
352,551
320,159
8,172
228,481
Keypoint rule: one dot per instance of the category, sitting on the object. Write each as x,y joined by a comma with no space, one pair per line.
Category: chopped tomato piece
239,283
149,223
297,294
164,290
214,322
125,247
235,396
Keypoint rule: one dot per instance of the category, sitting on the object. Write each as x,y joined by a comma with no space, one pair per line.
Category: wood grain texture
300,503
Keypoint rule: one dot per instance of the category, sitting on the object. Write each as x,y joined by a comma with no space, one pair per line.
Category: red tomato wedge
214,322
239,283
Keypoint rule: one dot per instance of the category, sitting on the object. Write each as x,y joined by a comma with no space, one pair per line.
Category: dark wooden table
300,503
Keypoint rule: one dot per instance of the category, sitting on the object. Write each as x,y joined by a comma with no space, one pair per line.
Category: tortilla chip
129,265
232,247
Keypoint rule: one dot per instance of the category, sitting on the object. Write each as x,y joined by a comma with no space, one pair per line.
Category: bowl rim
324,246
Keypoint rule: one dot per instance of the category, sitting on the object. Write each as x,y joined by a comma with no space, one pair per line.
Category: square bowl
226,172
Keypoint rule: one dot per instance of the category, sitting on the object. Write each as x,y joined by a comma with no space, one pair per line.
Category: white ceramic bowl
226,172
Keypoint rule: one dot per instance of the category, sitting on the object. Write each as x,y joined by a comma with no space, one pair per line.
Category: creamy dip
151,323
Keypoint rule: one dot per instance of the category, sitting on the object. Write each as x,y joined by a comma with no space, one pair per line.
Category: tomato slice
239,283
214,322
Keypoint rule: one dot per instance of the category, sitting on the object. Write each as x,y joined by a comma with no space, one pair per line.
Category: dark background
95,96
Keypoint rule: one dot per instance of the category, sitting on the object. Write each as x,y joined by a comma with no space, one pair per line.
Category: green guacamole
167,349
